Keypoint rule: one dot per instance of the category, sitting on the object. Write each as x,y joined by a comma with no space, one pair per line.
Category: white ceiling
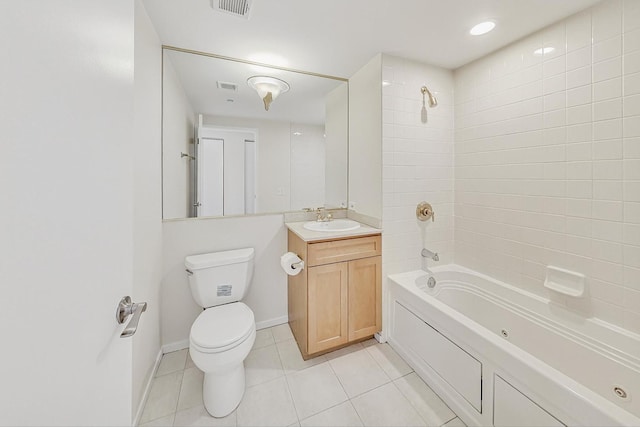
198,75
337,37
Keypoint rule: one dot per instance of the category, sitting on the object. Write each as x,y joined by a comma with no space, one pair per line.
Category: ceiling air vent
226,85
239,8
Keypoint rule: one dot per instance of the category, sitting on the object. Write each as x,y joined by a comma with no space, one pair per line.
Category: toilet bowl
220,340
223,334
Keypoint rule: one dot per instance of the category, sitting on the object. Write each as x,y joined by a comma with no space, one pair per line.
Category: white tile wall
417,163
547,159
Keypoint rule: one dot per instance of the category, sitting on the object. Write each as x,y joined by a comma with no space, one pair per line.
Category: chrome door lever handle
127,308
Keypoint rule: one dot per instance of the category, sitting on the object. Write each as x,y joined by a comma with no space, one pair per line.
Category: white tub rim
581,391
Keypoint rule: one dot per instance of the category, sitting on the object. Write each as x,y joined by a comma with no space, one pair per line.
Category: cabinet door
327,302
365,297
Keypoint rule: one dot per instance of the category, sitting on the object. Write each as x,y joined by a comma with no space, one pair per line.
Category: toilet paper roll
291,263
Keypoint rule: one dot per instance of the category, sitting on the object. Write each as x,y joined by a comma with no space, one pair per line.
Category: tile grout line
344,390
286,379
180,388
175,411
414,407
295,408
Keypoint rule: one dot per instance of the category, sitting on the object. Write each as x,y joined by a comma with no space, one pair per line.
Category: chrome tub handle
127,308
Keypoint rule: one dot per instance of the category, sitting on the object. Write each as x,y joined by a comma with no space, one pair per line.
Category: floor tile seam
341,349
282,370
179,394
378,386
280,356
264,381
380,366
434,392
176,351
414,407
173,419
448,421
355,397
177,400
356,411
388,379
285,340
271,342
294,372
331,407
295,407
344,390
263,346
426,423
171,372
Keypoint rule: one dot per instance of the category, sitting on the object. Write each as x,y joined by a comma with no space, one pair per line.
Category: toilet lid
222,325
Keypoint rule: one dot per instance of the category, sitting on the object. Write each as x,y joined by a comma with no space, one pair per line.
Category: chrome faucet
426,253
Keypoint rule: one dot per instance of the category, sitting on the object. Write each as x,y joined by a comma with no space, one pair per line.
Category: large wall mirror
225,153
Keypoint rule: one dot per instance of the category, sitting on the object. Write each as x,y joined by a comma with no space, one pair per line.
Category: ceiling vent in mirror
227,85
239,8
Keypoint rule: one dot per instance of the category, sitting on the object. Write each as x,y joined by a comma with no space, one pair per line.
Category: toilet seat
222,328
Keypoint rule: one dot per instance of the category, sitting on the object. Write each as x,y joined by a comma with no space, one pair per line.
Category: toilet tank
220,277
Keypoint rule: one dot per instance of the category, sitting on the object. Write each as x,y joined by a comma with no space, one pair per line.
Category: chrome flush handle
127,308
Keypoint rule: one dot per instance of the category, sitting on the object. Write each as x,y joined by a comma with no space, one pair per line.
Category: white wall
365,139
417,161
308,152
177,137
268,295
147,200
548,159
337,135
273,157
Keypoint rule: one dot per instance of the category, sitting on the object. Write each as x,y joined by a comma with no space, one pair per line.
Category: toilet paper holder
297,264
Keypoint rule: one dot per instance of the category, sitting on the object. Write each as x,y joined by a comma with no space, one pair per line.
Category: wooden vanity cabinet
337,298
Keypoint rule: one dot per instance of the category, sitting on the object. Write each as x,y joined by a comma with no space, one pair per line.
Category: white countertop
314,236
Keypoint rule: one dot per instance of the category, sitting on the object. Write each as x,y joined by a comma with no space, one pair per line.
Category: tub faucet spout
426,253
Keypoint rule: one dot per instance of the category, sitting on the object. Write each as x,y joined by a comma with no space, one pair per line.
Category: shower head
433,102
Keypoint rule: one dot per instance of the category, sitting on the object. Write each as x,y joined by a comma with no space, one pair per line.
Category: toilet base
223,391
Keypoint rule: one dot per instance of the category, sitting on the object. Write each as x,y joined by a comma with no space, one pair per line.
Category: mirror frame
247,62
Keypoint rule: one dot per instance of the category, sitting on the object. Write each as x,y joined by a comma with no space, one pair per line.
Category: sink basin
333,225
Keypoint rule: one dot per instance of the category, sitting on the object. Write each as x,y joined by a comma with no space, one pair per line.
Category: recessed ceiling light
482,28
544,50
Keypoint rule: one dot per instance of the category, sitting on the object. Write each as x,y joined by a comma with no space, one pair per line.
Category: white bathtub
501,356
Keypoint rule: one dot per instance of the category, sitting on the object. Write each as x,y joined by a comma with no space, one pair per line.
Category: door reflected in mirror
225,153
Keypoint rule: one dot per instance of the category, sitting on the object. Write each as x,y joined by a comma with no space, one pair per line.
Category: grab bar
127,308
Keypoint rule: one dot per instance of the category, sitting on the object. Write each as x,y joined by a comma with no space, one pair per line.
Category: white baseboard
175,346
147,389
272,322
181,345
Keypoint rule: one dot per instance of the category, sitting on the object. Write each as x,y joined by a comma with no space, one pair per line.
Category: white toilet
223,334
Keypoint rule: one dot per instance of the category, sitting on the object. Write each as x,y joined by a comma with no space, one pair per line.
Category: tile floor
366,384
